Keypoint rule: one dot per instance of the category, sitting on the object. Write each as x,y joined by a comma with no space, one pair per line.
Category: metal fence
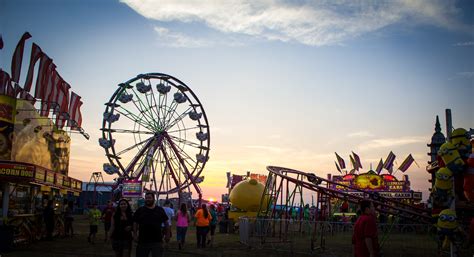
304,236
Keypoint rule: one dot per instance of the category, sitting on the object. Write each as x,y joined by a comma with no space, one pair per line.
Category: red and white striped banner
63,102
75,120
49,90
18,57
36,54
43,75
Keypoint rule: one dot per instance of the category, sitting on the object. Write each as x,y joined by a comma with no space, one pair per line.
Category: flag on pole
337,167
354,165
36,54
75,120
5,80
388,164
357,160
341,162
406,163
49,91
63,103
43,75
379,166
18,57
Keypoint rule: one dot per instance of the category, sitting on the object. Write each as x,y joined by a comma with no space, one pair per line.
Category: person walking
94,218
107,214
48,217
147,228
212,224
68,219
170,213
203,219
121,229
365,237
182,223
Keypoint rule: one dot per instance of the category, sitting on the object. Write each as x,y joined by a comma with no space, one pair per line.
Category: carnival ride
284,184
284,193
169,128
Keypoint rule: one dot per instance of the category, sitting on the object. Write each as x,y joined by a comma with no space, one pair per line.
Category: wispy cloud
360,134
176,39
392,142
463,75
468,43
312,23
268,148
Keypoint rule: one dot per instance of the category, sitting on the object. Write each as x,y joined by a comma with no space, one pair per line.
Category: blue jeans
181,234
144,249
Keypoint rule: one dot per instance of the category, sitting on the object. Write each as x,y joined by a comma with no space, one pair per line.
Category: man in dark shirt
147,222
365,237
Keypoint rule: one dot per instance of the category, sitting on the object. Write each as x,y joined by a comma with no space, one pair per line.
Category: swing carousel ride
169,131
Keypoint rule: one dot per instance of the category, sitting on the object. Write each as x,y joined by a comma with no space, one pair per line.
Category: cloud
311,23
468,43
463,75
268,148
360,134
392,142
176,39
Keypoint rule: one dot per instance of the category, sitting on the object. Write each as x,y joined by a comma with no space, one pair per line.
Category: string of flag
50,88
388,164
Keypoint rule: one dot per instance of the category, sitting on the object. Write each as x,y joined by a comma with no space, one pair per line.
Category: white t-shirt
170,213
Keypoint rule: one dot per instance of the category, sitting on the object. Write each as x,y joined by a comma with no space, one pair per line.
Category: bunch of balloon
454,155
469,176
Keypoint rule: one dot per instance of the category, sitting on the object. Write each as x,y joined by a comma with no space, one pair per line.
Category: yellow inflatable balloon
247,195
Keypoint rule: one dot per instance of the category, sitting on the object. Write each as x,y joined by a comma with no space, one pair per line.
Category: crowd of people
150,226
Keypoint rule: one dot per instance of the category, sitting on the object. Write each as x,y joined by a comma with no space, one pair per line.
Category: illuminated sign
59,179
50,177
17,170
67,182
132,188
370,182
395,195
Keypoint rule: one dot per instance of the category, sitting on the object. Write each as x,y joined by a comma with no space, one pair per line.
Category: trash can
6,238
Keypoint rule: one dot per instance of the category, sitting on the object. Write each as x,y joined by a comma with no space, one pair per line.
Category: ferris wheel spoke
172,172
180,117
133,146
169,114
131,116
184,141
153,107
162,100
181,130
143,108
183,156
128,131
148,119
150,105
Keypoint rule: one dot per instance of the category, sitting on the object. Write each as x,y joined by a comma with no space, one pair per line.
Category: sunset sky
284,83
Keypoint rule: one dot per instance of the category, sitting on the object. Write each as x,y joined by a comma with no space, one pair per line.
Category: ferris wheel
155,130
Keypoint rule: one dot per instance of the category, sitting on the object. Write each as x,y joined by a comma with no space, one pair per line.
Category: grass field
228,245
